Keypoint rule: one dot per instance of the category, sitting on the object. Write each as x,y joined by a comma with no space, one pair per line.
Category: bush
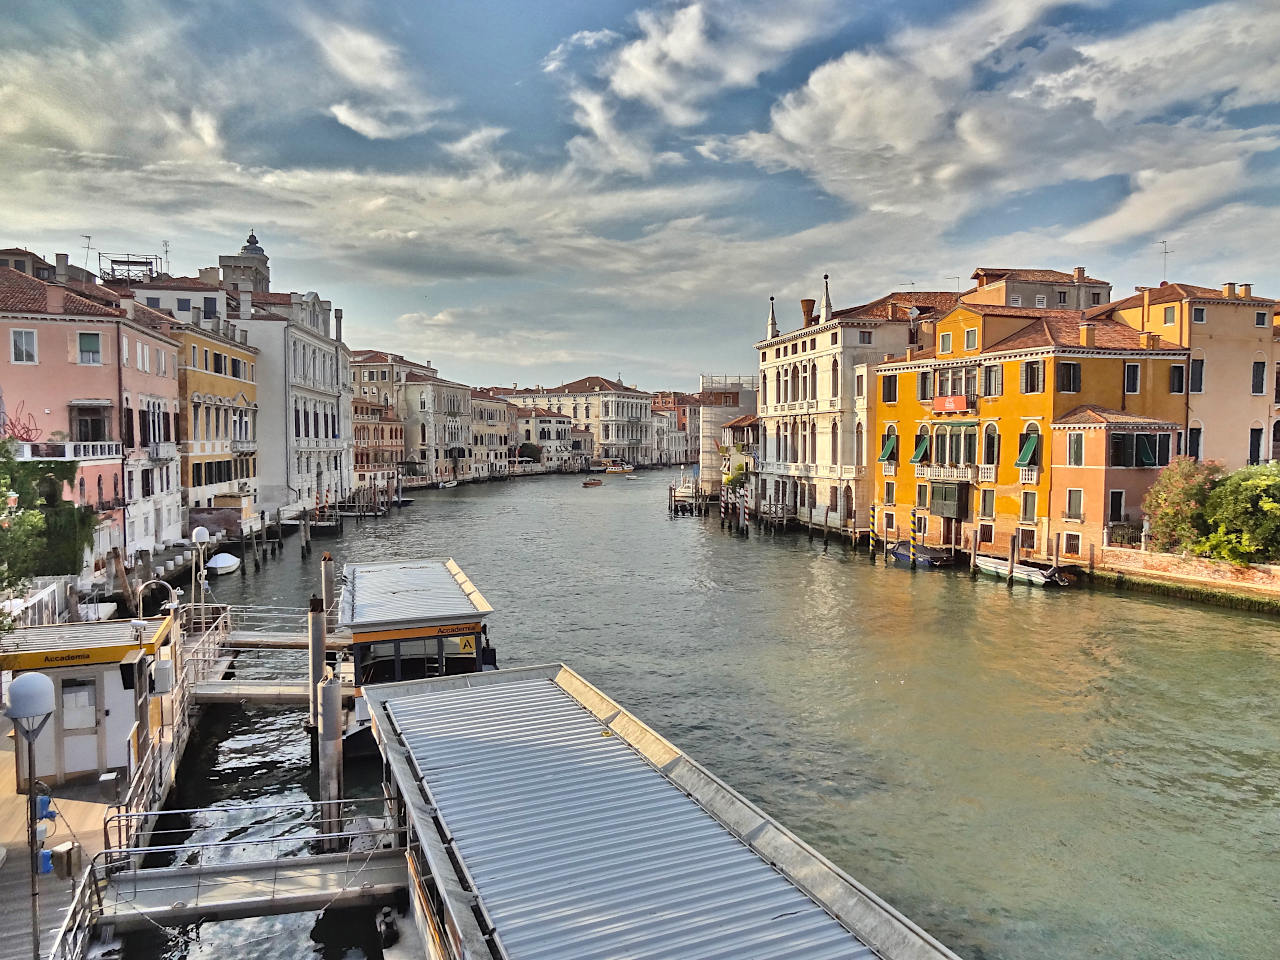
1243,517
1175,505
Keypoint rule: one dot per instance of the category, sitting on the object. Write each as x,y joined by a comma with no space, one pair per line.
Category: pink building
79,380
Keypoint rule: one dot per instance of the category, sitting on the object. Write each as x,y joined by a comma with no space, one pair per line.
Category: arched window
297,423
804,383
813,380
777,443
835,377
764,393
835,451
795,383
84,491
991,445
100,497
795,450
970,445
813,442
777,387
857,444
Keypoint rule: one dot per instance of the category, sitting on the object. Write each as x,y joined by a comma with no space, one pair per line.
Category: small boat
220,564
684,490
448,484
596,467
593,482
1022,572
925,556
631,476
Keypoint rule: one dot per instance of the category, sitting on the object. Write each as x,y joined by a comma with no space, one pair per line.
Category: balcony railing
986,473
89,450
927,471
1029,475
162,450
889,468
244,446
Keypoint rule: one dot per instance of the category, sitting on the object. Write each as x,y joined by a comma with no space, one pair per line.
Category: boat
221,564
685,490
615,465
593,482
925,556
1022,572
448,484
596,466
631,476
402,501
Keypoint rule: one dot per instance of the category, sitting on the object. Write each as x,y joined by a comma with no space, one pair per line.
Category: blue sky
537,192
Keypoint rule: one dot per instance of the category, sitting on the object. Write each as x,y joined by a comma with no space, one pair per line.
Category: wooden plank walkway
251,691
175,895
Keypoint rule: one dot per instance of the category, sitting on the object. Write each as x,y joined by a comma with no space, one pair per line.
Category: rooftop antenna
906,283
957,280
165,245
87,237
1164,252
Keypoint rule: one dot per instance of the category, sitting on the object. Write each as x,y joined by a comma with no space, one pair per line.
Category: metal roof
69,636
408,593
585,834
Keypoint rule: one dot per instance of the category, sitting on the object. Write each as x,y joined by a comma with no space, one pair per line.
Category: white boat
685,489
1022,572
448,484
631,476
222,564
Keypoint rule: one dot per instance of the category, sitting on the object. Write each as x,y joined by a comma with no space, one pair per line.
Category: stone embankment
1254,587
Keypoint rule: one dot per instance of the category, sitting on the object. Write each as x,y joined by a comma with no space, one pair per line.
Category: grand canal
1024,773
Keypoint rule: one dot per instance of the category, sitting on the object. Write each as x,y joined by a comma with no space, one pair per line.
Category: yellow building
218,425
1233,379
987,429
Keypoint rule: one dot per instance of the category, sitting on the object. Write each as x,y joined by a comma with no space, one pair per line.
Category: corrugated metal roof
409,593
67,636
579,847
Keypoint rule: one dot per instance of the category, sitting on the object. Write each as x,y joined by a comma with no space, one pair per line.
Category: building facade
552,434
619,416
493,433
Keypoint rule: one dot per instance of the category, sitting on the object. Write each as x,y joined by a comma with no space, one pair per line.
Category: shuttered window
1032,377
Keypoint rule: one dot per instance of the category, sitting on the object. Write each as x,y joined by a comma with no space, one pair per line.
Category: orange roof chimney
806,307
1087,334
1246,291
1229,290
55,299
1079,275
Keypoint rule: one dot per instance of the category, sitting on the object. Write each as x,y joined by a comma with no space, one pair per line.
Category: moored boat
220,564
1022,572
925,556
448,484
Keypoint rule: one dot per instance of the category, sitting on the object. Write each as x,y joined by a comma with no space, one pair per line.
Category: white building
619,417
552,433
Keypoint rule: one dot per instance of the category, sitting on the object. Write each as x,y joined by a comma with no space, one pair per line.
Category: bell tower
249,267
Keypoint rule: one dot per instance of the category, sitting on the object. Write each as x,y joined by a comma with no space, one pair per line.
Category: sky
537,192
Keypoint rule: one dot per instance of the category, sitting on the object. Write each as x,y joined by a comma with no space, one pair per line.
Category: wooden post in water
1056,537
826,525
973,555
315,658
329,737
328,585
1013,552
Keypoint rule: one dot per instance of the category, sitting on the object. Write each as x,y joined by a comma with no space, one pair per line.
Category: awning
958,423
1028,452
890,443
922,448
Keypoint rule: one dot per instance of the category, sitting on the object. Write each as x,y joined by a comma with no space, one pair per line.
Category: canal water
1025,773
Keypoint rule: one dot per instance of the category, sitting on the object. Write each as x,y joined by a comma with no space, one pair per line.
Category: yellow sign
417,633
467,645
47,659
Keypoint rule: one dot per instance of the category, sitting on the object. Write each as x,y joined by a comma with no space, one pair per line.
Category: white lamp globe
30,697
200,535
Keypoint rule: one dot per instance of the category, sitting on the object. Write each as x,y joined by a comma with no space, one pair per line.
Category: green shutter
1028,452
886,452
1146,450
922,449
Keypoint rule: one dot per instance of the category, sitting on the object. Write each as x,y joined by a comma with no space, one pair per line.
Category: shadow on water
1024,773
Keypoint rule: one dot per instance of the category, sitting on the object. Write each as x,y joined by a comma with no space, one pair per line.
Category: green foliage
738,479
530,451
1175,505
1243,516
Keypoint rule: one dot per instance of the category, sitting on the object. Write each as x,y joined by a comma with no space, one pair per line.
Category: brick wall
1191,570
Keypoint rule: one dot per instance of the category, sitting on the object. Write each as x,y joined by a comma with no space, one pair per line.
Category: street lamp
30,707
200,537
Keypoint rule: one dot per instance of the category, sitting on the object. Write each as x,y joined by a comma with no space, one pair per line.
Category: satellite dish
913,312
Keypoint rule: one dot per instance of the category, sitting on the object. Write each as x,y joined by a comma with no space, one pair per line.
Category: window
889,522
184,304
921,452
90,347
1075,504
992,380
206,358
986,533
1042,300
210,306
857,385
1095,298
864,337
1075,449
219,363
1197,314
1197,376
1122,449
813,343
991,445
922,495
153,302
1132,377
1193,442
1015,301
971,338
1028,448
1068,377
944,343
382,375
924,386
1032,376
1028,514
1170,316
804,346
1062,298
1260,318
889,388
1255,445
22,346
1259,377
987,503
1115,513
889,491
1071,541
1177,378
835,337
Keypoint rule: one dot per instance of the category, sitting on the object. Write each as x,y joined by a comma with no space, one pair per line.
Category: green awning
1146,450
1028,452
922,448
959,423
890,443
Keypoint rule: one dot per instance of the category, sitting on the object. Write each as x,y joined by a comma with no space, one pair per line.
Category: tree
1175,504
738,479
1243,514
530,451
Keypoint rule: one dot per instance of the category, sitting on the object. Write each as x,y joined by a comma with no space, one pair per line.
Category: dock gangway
228,862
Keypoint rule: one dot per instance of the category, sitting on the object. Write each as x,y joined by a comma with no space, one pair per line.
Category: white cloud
584,39
606,147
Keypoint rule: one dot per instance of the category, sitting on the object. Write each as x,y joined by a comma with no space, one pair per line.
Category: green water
1024,773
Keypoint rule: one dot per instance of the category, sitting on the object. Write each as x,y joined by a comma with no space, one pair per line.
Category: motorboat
685,490
1022,572
593,482
631,476
221,564
925,556
448,484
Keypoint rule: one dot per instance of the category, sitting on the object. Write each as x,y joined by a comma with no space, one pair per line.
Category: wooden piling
1013,552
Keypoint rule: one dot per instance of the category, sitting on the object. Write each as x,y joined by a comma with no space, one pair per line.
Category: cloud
584,39
605,146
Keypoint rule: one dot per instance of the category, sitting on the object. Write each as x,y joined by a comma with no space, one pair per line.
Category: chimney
1147,340
1086,334
246,303
197,314
1246,291
244,336
1229,290
1079,275
55,299
127,302
910,353
806,308
337,324
60,269
210,276
1146,301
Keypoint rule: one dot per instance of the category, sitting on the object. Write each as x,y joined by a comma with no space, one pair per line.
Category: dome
251,247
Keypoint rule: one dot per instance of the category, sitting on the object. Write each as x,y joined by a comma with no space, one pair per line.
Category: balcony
244,446
966,474
95,450
1029,475
888,468
162,450
986,473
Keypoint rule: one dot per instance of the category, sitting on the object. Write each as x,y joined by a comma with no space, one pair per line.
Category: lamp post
30,706
200,537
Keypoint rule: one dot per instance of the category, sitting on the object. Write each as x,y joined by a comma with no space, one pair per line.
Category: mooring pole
327,585
315,657
329,695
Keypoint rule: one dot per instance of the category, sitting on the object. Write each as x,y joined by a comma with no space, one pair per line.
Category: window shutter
1022,375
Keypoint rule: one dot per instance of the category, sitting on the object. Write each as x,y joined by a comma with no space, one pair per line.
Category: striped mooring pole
913,538
871,536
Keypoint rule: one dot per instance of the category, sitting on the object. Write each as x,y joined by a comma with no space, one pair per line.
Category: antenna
906,283
165,245
1165,251
957,280
87,237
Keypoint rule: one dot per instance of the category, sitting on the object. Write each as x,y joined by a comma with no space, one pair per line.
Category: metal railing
88,450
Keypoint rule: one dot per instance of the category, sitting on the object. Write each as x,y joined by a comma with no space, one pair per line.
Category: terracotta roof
1031,275
1172,293
590,384
480,394
151,316
746,420
897,305
93,291
1093,413
542,412
22,293
282,298
415,376
1061,328
371,356
177,283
